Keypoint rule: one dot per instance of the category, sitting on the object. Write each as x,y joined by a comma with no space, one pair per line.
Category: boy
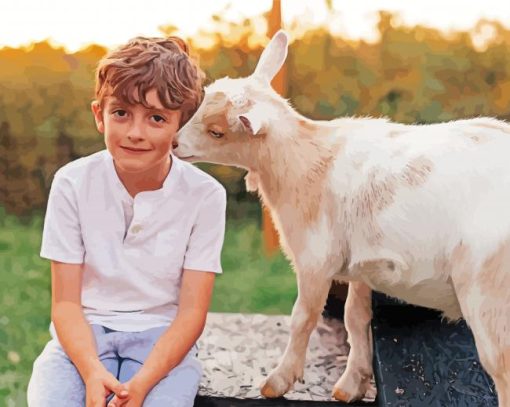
134,236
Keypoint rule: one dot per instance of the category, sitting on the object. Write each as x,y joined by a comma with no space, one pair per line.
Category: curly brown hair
143,64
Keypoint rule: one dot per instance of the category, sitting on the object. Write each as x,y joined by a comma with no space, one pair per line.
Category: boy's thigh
55,380
177,389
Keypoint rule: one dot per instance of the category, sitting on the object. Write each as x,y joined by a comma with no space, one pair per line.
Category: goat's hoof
350,388
371,392
341,395
268,392
275,386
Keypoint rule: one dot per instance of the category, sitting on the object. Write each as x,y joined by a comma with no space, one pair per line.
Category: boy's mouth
134,150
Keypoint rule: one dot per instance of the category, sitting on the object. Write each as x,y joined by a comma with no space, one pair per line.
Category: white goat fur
420,212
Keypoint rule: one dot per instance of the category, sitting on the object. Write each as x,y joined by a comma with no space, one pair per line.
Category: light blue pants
55,380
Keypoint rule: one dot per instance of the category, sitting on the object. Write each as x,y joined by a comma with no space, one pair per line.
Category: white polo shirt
133,249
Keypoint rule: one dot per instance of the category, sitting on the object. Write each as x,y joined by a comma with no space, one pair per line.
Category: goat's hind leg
354,383
313,290
484,298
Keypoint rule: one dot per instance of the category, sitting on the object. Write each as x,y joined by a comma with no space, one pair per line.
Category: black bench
419,360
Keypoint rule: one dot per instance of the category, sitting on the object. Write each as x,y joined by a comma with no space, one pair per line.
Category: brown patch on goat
417,171
494,281
306,125
492,276
375,266
375,195
379,192
215,103
506,359
302,171
316,178
493,126
483,295
460,262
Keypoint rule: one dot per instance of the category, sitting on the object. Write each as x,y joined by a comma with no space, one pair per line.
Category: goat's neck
293,158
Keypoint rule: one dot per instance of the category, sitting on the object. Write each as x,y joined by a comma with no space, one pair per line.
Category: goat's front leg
355,381
313,290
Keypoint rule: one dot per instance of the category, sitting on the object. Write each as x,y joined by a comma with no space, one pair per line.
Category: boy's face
138,138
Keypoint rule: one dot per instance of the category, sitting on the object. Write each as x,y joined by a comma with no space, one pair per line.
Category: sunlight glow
77,24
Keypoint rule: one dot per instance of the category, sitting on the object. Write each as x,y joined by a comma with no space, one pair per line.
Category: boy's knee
53,380
179,388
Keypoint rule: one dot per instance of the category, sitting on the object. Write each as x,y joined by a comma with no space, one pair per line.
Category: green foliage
413,74
24,304
251,282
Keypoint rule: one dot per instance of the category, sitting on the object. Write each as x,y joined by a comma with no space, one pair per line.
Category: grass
250,283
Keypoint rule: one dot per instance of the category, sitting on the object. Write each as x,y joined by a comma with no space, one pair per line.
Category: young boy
134,236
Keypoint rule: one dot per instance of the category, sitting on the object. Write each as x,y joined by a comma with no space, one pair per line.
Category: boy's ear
98,115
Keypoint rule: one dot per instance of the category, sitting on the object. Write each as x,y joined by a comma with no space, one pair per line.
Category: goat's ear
272,57
252,121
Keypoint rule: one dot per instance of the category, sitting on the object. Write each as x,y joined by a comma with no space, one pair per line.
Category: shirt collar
168,187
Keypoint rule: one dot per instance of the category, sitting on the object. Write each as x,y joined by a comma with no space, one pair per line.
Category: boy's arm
74,332
177,340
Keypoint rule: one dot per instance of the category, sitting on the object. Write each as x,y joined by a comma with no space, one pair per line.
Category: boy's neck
149,180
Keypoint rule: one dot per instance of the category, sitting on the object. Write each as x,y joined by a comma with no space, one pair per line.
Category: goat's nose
175,144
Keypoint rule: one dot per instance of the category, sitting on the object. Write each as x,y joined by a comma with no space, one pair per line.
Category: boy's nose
135,134
136,130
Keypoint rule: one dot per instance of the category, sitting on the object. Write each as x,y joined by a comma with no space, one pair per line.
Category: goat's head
235,114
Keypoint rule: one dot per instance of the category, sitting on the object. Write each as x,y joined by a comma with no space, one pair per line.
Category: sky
112,22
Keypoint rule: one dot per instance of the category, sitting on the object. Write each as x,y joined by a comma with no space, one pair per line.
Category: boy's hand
100,385
137,394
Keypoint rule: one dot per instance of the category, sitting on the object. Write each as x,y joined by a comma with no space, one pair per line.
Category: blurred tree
412,75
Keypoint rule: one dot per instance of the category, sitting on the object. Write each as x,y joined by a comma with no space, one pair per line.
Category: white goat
421,213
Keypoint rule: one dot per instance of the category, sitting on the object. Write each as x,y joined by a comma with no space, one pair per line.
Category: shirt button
136,228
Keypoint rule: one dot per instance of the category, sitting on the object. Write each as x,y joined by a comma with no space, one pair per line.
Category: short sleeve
62,239
206,240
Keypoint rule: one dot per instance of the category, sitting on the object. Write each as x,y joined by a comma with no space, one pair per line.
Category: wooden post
279,84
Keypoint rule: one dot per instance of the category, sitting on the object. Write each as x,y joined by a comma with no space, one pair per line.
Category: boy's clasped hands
101,384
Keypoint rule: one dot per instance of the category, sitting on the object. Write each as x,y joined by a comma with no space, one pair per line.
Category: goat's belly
436,293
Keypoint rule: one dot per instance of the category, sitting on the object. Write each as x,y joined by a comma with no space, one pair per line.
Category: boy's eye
120,113
158,119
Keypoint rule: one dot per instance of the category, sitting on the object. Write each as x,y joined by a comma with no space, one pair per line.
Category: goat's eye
216,134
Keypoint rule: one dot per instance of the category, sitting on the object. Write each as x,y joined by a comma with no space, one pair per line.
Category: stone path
239,350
